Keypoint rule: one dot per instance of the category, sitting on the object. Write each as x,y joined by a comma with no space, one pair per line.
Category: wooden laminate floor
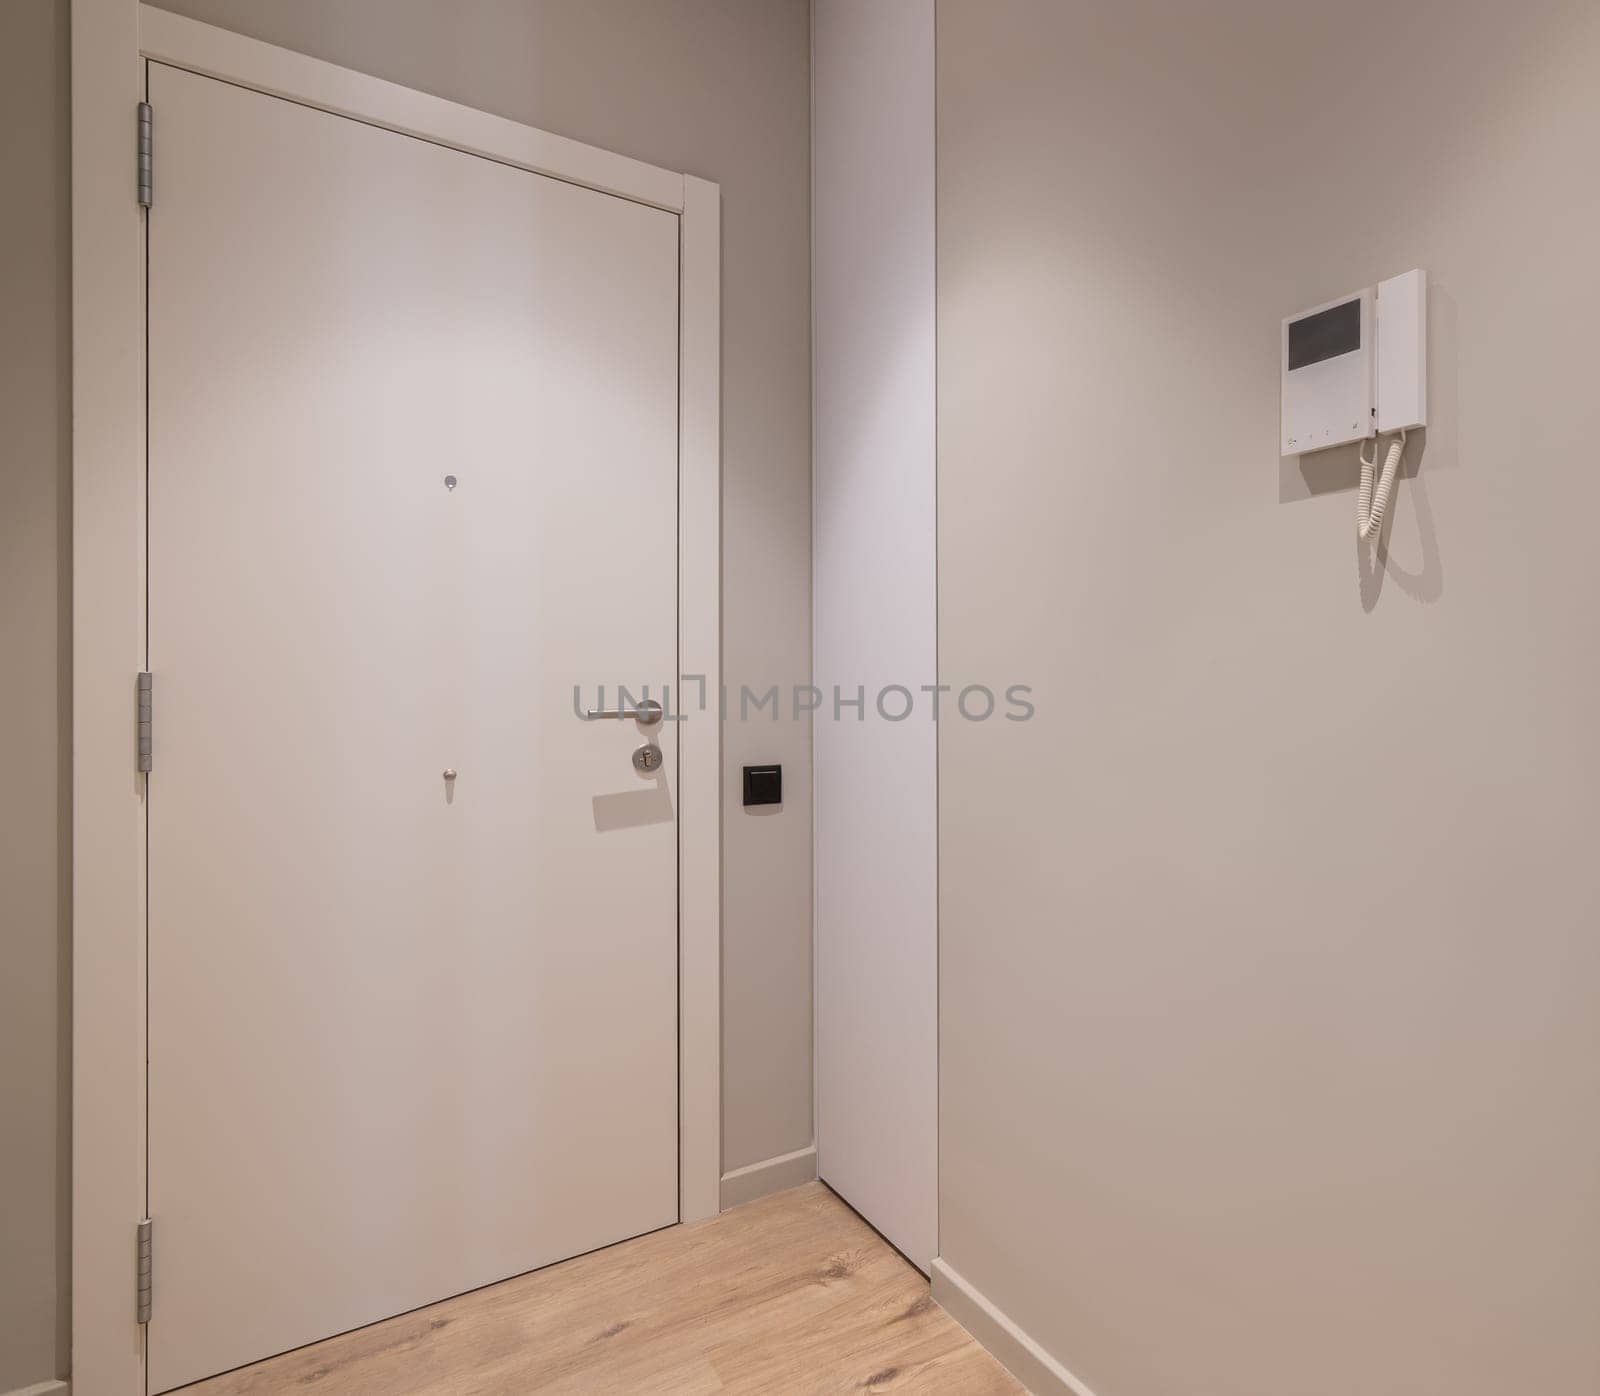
791,1294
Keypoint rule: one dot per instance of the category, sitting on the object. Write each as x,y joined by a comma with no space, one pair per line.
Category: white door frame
111,42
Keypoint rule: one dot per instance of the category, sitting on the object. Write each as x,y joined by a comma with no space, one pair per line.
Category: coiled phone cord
1370,511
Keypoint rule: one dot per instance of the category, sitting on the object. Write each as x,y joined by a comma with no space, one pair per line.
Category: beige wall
718,88
35,653
1271,949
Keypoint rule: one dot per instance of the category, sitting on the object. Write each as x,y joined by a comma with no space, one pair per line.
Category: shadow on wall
1338,471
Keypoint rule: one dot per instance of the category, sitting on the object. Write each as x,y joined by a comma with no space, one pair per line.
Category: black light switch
763,785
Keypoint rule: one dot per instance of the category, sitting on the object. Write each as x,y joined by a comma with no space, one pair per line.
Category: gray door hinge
143,1292
146,708
144,154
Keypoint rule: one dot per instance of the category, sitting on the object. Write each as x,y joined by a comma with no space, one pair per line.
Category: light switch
763,785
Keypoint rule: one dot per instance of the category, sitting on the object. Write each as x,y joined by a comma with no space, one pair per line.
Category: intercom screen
1325,335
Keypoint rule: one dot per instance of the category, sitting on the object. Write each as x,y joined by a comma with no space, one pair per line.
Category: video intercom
1355,368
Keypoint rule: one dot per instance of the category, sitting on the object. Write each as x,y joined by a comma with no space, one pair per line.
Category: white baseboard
1015,1350
770,1175
43,1388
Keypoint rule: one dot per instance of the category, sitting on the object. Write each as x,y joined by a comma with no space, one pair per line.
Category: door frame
112,40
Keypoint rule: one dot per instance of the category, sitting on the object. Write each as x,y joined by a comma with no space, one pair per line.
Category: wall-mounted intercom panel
1356,366
1327,374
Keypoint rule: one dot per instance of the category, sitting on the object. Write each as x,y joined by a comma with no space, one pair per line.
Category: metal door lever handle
648,713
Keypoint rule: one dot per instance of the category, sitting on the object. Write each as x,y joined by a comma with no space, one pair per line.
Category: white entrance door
412,477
